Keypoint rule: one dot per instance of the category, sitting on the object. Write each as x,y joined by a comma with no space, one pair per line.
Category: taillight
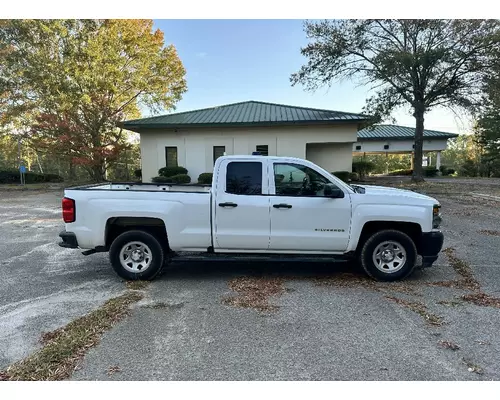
68,210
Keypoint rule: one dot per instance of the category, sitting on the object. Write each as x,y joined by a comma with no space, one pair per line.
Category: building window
358,147
218,152
244,178
171,156
263,149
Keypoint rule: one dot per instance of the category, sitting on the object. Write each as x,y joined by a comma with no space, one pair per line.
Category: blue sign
22,169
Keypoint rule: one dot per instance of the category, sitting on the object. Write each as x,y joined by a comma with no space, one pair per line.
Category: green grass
64,347
137,285
29,186
420,309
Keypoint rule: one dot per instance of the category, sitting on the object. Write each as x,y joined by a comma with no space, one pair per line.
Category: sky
229,61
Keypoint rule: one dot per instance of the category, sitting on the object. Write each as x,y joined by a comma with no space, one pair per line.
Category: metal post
19,159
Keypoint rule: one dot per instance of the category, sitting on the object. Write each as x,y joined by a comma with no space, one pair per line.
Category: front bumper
431,243
68,240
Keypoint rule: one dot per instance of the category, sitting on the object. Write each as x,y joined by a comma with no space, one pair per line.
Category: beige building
195,139
395,139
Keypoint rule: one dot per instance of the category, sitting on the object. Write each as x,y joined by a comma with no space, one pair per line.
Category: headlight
436,216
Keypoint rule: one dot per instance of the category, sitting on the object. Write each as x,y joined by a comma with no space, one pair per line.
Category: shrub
430,171
53,178
445,171
363,168
354,177
343,175
398,172
9,177
205,178
161,179
469,168
172,171
181,178
138,173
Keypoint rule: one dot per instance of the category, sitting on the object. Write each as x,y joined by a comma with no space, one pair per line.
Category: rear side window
244,178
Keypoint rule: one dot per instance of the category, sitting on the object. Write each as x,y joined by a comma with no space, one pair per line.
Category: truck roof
253,157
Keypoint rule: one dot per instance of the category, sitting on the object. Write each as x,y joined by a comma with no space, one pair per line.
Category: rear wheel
388,255
136,255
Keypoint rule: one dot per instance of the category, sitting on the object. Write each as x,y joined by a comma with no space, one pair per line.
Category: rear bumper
431,243
68,240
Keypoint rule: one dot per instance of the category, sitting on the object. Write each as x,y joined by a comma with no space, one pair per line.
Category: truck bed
148,187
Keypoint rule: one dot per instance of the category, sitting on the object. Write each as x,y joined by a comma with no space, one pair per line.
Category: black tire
367,254
156,263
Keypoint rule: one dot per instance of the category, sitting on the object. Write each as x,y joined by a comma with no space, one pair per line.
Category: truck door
302,218
241,206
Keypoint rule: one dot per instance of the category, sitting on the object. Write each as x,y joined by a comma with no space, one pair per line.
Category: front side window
298,180
244,178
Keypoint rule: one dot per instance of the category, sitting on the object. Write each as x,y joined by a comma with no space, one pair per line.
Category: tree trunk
72,175
418,173
39,163
98,172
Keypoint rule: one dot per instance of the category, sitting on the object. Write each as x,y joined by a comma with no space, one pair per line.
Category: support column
438,160
412,158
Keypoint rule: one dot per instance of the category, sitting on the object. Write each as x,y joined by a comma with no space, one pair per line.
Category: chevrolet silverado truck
257,208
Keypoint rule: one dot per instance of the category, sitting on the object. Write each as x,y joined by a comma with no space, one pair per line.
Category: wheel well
117,225
413,230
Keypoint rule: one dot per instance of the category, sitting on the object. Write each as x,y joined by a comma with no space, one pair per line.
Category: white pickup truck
257,208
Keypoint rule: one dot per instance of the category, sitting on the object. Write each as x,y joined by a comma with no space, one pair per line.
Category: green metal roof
396,132
248,113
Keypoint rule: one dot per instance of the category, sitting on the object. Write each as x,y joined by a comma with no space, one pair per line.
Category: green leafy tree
488,124
385,163
68,83
420,64
461,150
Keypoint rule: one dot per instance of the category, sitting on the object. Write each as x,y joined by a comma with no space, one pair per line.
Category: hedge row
30,177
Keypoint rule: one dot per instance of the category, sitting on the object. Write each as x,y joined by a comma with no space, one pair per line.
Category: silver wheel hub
136,257
389,256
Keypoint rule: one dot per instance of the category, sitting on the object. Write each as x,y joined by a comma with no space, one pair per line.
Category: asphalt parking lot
324,322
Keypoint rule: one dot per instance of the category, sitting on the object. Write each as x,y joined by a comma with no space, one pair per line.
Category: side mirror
333,191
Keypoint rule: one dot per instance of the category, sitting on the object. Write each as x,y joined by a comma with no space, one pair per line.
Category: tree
487,128
420,64
69,82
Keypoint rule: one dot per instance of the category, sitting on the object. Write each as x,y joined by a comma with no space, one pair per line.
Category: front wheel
388,255
136,255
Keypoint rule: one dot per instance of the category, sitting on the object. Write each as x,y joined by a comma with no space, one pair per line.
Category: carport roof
247,113
396,132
